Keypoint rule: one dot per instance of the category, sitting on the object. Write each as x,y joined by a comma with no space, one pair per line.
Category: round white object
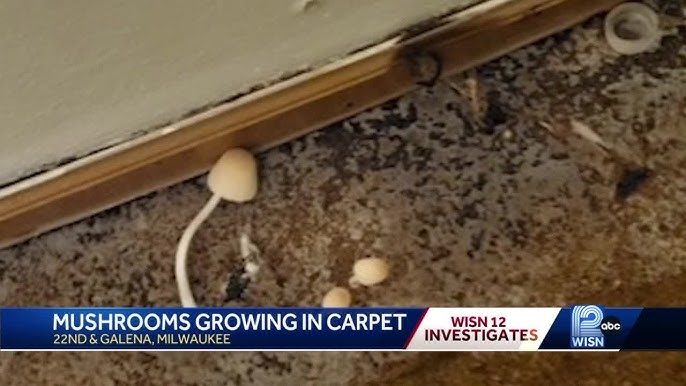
234,176
337,297
632,28
371,271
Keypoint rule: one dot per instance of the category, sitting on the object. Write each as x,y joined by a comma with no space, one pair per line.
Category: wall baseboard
281,113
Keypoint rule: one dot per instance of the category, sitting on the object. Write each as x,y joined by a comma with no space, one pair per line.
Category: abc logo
610,326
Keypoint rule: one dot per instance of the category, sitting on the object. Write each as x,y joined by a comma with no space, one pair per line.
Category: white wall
77,75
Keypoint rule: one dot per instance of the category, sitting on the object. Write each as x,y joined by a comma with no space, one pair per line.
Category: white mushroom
370,271
234,176
337,297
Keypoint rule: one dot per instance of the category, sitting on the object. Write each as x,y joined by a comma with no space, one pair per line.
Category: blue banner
206,328
576,328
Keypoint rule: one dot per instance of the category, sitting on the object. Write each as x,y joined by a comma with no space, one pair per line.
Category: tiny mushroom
337,297
370,271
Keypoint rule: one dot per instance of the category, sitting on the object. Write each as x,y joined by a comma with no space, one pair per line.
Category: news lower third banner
587,327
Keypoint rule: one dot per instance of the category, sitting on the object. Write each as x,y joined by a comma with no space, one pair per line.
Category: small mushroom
337,297
370,271
234,176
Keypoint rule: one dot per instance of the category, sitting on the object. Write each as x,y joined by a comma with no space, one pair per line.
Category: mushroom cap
234,176
371,270
337,297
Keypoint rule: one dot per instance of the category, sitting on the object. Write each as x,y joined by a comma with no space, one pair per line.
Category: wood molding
466,40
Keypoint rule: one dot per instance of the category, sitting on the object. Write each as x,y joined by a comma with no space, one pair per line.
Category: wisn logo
589,328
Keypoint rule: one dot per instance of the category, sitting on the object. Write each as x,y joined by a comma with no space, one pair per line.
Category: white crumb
586,132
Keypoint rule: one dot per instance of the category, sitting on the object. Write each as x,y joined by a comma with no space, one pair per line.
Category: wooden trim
289,112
